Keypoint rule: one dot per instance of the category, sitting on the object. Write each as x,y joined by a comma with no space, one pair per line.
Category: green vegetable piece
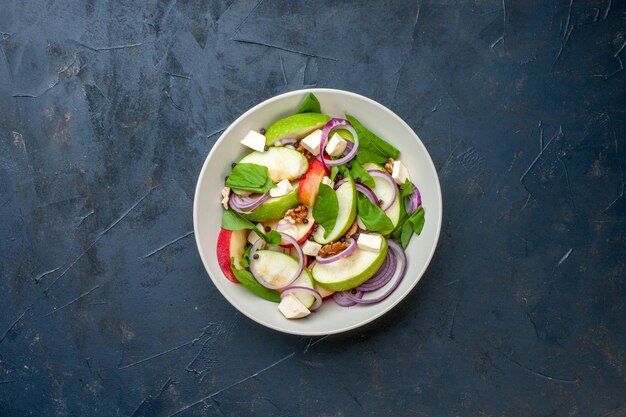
326,208
333,172
361,173
232,220
407,189
247,280
372,148
409,225
250,177
310,105
372,216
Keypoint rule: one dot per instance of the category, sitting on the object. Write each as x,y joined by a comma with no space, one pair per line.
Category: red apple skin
308,186
230,244
308,229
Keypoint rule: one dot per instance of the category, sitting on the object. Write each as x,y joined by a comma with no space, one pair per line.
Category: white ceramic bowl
207,210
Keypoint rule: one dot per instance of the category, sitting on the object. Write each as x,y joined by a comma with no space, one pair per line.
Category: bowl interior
207,210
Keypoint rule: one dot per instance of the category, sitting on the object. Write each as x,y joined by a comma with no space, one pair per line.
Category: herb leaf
326,208
231,220
250,177
372,148
310,105
333,173
407,189
372,216
359,173
409,225
247,280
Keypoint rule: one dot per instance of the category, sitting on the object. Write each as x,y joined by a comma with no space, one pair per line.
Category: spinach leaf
310,105
372,148
360,174
245,258
250,177
407,189
231,220
333,173
326,208
409,225
372,216
247,280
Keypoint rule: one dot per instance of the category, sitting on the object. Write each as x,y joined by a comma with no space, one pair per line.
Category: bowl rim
222,138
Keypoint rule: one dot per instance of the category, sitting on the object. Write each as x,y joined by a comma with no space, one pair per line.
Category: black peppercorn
305,221
256,256
233,164
380,202
310,238
266,147
262,131
267,229
343,239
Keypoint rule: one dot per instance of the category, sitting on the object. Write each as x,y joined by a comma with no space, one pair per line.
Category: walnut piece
225,197
389,165
332,249
352,230
297,215
308,155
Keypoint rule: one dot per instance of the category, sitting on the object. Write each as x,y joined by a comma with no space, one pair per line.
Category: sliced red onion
367,192
285,141
333,124
347,251
266,284
340,183
310,291
382,276
384,174
341,299
402,263
412,202
246,204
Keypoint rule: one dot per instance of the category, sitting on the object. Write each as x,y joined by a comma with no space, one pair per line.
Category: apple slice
277,268
282,163
274,208
323,291
309,185
346,195
295,126
351,271
384,191
300,232
230,244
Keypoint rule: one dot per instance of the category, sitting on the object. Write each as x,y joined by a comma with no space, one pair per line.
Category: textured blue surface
108,109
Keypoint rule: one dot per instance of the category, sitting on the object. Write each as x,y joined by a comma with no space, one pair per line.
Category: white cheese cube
284,187
336,145
360,223
253,236
311,248
292,307
370,243
254,140
399,173
328,182
312,142
225,197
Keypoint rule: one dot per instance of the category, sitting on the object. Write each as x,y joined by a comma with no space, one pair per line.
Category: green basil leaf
250,177
310,105
326,208
360,174
372,216
231,220
417,219
369,141
247,280
409,225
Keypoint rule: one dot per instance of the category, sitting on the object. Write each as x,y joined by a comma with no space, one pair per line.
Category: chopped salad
320,209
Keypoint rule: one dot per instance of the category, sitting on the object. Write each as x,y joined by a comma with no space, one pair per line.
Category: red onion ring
333,124
340,183
347,251
382,276
266,284
367,192
413,201
310,291
385,175
285,141
246,204
341,299
402,263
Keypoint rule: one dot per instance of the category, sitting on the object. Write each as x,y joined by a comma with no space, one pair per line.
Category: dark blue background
108,109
